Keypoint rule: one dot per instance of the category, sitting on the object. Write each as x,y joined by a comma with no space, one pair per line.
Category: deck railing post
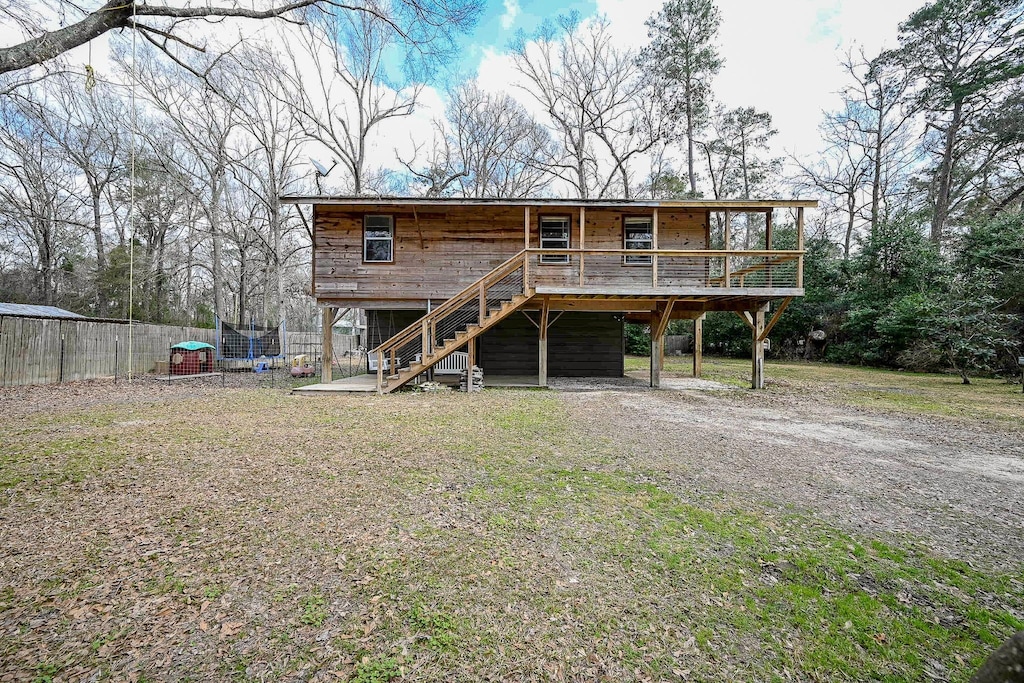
654,244
726,244
482,294
380,371
800,247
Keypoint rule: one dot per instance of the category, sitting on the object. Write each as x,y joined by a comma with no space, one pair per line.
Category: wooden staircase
450,326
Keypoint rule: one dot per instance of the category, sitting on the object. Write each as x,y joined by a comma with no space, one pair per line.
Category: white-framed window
638,233
554,234
378,239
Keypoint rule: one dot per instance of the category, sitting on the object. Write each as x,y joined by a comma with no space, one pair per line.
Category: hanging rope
131,211
90,73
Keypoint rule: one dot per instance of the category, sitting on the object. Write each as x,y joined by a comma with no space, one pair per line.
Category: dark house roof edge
640,203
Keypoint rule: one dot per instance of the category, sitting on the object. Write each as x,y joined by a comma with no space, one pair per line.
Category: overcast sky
781,56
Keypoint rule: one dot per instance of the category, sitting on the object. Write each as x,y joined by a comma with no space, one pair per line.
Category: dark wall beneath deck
579,345
511,347
586,345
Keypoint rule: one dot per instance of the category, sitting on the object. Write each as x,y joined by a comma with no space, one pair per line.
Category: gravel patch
957,488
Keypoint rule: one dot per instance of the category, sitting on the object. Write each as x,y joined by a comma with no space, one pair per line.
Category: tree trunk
46,259
277,310
945,174
214,218
241,287
876,180
101,257
689,137
851,211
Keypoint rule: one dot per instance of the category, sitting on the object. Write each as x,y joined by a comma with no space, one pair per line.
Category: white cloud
780,57
512,10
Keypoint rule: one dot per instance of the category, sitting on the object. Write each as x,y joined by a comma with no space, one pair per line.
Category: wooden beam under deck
698,345
327,345
542,345
664,293
757,351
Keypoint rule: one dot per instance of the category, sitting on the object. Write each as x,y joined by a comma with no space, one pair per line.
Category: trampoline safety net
249,342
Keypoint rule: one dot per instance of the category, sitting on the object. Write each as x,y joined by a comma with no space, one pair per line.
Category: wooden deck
367,384
347,385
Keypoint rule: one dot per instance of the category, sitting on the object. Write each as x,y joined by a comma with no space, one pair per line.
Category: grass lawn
233,534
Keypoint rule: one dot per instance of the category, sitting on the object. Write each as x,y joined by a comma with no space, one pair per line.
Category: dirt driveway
953,486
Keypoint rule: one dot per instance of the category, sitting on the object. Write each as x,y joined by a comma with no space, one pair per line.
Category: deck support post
656,360
542,346
327,345
757,353
698,345
659,324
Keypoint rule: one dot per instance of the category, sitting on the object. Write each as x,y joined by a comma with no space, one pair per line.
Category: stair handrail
457,301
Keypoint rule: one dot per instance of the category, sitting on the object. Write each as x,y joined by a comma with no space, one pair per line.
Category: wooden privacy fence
49,350
676,344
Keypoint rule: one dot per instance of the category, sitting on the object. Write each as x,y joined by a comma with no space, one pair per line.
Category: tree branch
116,14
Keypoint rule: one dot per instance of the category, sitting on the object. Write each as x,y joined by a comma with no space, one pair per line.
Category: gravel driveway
955,487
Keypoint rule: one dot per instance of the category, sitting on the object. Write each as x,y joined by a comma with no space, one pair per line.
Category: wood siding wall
30,348
440,250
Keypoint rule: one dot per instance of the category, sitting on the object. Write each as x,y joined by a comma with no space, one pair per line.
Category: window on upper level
638,233
554,234
378,239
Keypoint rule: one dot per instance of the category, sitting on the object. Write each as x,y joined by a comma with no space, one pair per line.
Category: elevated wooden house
543,287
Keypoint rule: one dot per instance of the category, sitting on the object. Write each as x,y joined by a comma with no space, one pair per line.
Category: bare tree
488,146
592,92
842,171
350,93
204,121
882,118
87,128
37,199
866,161
267,158
428,25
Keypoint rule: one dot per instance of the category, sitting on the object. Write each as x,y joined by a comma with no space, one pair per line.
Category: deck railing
664,268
